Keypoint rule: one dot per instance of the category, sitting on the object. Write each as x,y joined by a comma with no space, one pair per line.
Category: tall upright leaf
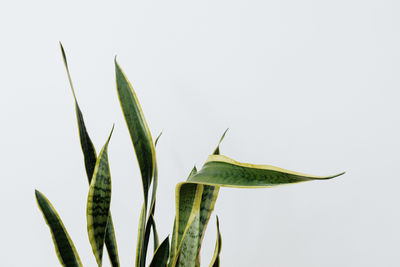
89,154
190,253
188,199
153,201
64,246
98,203
140,260
217,251
138,129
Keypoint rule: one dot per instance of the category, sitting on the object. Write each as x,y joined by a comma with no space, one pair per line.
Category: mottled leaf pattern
111,243
98,203
160,256
64,246
188,199
90,158
190,254
222,171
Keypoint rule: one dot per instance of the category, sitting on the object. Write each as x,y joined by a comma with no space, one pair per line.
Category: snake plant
194,198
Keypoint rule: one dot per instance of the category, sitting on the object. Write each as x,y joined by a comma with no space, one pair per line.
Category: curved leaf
217,251
220,170
98,203
138,129
89,154
160,256
64,246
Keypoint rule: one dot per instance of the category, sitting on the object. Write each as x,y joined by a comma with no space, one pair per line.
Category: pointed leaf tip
216,151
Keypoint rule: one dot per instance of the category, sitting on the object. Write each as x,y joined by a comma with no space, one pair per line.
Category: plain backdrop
311,86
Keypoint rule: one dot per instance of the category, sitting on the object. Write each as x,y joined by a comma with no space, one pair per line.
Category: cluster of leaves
195,198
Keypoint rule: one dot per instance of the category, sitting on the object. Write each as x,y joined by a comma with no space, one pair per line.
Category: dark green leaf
65,248
160,257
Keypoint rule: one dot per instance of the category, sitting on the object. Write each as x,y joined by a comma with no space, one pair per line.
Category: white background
311,86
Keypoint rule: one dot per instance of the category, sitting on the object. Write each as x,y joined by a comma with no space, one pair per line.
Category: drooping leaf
138,129
160,256
188,199
220,170
89,154
65,249
217,251
98,203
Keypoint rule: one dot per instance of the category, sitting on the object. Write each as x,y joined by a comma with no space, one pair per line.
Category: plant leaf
160,256
174,230
190,253
220,170
188,199
141,235
146,238
216,151
138,129
89,155
88,149
217,251
111,243
98,203
65,249
153,200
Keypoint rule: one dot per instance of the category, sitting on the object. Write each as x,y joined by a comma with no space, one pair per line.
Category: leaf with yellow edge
190,253
217,251
90,158
188,199
64,246
98,203
138,129
220,170
141,234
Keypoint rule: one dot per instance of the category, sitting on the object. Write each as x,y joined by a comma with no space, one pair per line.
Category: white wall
311,86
